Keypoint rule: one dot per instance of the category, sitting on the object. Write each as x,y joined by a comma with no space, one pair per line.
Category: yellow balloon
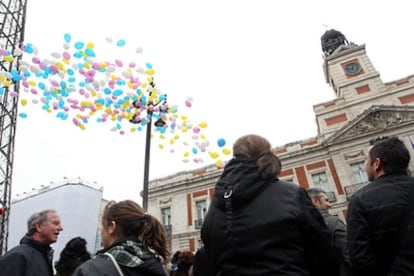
202,124
186,154
226,151
219,164
214,154
133,129
23,102
161,146
90,45
82,126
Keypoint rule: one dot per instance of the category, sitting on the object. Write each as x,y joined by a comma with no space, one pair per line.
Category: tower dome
331,40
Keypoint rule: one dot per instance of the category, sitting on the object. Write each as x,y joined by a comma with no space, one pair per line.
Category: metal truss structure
12,23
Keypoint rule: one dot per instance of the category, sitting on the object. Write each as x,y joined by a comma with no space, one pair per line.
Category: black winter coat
30,258
264,227
374,215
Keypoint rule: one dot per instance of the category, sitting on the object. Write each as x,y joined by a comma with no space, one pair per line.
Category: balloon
202,124
221,142
120,43
214,155
67,38
75,84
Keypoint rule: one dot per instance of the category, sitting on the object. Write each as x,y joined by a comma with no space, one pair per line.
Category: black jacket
373,218
132,258
264,227
30,258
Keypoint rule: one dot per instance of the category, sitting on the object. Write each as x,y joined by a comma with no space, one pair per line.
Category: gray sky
250,67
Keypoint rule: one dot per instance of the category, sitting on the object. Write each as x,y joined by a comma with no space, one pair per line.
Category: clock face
352,69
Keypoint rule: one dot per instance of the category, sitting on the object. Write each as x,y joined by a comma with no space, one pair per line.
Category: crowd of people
256,224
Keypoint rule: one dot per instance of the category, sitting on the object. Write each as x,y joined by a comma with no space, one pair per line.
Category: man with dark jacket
34,255
375,213
335,225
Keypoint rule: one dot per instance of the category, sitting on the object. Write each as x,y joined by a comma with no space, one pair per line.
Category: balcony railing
198,223
351,189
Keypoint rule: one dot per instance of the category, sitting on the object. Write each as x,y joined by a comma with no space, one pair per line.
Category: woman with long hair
134,243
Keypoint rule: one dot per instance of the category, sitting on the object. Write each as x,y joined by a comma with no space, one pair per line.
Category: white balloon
126,74
140,70
34,69
66,46
139,50
23,68
56,55
109,40
18,52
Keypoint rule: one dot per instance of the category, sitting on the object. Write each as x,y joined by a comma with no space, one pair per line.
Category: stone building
363,108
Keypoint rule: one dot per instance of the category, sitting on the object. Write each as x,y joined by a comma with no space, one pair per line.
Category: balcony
352,189
198,223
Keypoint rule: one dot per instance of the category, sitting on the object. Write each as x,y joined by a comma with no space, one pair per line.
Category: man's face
322,203
48,231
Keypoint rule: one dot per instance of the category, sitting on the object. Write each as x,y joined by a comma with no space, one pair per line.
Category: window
358,169
201,209
166,216
320,180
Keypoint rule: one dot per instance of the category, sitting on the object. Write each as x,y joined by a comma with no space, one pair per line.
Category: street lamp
149,104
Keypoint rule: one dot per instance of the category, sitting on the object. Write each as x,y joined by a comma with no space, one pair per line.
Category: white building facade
78,206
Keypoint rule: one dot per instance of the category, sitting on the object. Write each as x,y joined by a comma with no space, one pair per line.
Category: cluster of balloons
73,84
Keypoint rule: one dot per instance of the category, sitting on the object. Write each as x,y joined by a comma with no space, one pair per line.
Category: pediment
375,119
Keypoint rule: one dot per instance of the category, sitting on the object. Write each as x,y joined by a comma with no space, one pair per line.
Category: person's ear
377,164
315,201
38,227
112,227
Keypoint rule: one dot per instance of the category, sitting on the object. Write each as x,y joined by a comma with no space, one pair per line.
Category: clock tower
346,65
353,78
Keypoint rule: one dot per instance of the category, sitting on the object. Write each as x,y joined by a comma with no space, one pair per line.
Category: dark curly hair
74,254
184,263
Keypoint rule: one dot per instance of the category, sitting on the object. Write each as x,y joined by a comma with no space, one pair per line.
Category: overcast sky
249,66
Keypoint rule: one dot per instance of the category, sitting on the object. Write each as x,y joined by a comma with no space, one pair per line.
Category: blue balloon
221,142
67,38
120,43
79,45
